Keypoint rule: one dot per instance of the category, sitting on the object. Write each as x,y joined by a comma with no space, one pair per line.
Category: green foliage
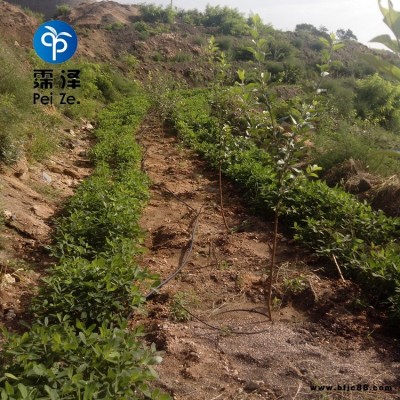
116,26
295,286
24,129
179,302
229,21
309,28
41,145
63,10
224,43
181,57
279,49
107,206
96,291
63,361
391,17
15,109
346,34
154,13
378,101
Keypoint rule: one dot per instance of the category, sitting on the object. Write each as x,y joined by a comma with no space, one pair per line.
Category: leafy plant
64,361
179,303
63,10
295,286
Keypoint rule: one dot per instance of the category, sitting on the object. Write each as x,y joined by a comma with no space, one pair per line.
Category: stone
252,386
8,215
8,279
46,177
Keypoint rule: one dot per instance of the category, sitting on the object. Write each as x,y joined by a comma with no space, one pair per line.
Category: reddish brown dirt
320,335
30,195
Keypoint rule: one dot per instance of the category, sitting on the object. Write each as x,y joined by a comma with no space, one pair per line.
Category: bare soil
321,334
30,195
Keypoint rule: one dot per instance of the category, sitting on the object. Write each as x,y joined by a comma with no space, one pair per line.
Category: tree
378,100
345,35
306,28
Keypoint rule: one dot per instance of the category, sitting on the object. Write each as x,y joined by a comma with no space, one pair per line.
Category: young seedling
284,145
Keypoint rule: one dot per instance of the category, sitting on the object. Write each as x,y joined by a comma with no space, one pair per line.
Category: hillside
47,7
217,219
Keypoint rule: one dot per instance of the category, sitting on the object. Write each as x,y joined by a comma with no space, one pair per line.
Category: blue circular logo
55,42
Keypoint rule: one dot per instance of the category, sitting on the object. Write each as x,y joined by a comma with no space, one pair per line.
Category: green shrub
181,57
38,15
116,26
41,145
102,290
64,361
63,10
154,13
279,49
224,43
378,101
242,53
229,21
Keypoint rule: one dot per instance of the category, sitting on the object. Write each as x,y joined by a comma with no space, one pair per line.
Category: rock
193,356
8,279
22,170
252,386
8,215
46,177
9,315
55,168
87,127
71,173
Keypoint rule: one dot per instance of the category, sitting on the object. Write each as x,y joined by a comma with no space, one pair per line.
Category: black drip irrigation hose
184,259
228,330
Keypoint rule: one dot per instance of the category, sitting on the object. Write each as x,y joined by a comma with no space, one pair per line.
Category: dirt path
30,196
318,336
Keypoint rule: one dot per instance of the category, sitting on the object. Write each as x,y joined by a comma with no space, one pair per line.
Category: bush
229,21
341,96
279,49
224,43
242,53
74,361
154,13
378,101
63,10
181,57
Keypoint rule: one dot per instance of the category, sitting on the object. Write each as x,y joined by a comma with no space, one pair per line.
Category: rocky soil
31,194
